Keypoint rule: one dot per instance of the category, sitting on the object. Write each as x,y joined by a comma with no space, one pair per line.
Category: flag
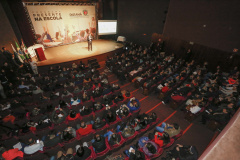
24,47
14,50
17,44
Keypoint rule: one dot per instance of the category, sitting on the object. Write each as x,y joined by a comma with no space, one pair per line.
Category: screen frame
109,33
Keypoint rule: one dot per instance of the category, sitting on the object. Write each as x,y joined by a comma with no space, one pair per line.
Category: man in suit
89,42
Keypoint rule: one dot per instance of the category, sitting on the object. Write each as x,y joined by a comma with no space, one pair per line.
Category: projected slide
106,27
62,24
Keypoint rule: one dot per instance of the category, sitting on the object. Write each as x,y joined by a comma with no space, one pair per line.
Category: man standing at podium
90,41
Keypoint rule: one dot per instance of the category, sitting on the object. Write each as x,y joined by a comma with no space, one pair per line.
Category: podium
40,54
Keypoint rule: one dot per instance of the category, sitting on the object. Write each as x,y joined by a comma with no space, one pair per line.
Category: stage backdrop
62,24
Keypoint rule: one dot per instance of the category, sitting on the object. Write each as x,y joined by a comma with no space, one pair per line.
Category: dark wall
139,19
186,20
109,9
6,31
21,20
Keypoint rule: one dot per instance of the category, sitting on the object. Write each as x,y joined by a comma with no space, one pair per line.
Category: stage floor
77,51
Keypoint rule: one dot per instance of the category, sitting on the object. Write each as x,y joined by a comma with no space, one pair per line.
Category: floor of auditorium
195,133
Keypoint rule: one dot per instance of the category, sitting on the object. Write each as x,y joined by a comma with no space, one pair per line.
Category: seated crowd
64,104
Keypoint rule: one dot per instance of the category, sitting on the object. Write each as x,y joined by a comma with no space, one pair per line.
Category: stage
78,51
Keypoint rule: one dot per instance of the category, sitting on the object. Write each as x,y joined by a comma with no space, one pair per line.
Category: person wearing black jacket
85,111
99,123
114,139
137,155
52,139
110,116
99,143
82,152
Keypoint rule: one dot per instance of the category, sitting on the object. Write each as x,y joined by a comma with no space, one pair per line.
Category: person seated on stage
52,139
97,106
82,152
73,115
161,138
58,116
98,123
86,110
84,129
75,101
150,148
99,143
133,104
110,116
172,130
123,111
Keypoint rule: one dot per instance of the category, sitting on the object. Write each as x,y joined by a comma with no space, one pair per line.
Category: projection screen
107,27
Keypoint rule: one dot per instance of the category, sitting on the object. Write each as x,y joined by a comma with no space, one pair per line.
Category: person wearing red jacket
84,129
12,154
161,139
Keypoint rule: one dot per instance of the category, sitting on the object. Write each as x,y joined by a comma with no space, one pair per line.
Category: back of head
151,148
98,120
80,150
98,138
176,126
138,155
72,114
166,138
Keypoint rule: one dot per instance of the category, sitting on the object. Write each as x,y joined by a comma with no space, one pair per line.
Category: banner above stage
61,24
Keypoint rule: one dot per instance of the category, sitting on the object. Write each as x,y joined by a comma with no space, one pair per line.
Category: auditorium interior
163,85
